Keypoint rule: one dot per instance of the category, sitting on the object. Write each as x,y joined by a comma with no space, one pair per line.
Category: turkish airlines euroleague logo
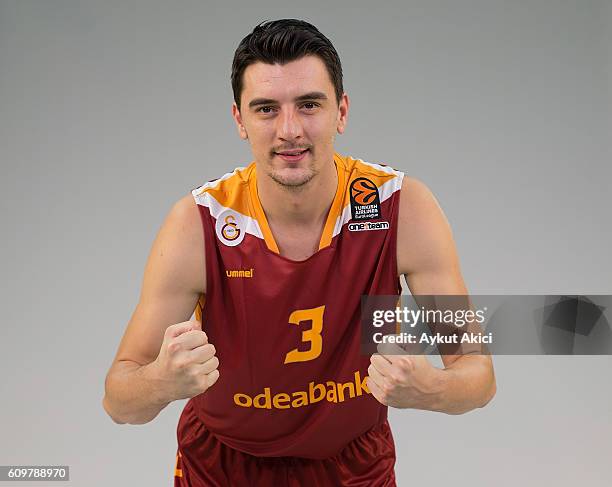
230,228
365,201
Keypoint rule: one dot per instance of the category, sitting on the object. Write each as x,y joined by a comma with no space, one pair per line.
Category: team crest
365,201
230,228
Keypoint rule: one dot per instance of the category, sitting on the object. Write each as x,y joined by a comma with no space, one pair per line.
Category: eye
310,104
264,109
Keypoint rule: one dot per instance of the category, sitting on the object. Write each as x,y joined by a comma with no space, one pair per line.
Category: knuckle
396,378
407,365
181,364
211,378
384,397
215,362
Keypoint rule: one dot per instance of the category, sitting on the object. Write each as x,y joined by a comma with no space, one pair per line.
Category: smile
292,156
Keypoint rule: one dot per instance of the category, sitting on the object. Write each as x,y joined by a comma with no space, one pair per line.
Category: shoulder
424,236
181,243
185,213
417,202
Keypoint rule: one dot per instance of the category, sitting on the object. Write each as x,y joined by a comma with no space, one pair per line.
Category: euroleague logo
230,228
365,201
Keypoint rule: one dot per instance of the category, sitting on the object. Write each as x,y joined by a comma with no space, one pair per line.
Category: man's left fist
400,380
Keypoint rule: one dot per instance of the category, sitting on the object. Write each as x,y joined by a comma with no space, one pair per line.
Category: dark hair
282,41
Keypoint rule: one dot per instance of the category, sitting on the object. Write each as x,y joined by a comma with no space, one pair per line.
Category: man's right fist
186,365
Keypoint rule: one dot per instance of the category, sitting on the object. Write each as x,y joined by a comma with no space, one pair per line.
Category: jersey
293,378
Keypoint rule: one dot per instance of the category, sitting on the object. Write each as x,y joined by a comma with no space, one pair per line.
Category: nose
289,125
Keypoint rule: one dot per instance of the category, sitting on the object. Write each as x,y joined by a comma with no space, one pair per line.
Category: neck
303,206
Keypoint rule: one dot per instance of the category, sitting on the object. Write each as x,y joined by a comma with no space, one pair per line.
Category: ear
238,119
343,109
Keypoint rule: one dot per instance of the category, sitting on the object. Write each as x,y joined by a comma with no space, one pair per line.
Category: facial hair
292,183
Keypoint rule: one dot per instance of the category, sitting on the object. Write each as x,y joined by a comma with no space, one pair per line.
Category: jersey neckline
330,222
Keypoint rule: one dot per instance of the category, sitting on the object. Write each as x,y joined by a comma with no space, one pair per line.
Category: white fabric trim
387,169
204,198
212,184
215,208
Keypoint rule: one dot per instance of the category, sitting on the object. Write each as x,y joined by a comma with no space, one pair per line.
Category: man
274,257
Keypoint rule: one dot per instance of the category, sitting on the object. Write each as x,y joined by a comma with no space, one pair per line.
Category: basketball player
274,258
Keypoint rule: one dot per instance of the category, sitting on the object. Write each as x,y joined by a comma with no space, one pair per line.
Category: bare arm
428,259
431,266
174,278
132,393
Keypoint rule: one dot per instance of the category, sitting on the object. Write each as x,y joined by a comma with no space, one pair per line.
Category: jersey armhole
202,209
394,226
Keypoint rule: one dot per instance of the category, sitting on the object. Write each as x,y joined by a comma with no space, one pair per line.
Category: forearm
468,383
133,395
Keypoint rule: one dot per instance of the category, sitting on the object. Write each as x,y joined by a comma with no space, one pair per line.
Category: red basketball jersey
287,333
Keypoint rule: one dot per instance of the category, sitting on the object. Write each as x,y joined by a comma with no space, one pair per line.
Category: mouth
292,155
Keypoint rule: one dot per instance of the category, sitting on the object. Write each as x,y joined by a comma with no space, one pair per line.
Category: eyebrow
314,95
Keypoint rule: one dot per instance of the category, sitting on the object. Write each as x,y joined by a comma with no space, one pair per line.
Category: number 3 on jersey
313,335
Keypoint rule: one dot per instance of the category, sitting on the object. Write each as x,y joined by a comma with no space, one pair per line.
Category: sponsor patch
365,226
365,201
230,228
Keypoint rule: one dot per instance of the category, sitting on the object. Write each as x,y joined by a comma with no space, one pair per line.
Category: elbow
111,414
119,419
479,400
484,400
106,402
487,378
490,394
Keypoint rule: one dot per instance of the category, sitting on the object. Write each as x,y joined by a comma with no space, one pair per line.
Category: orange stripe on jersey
178,472
228,192
337,205
199,308
379,176
259,214
334,211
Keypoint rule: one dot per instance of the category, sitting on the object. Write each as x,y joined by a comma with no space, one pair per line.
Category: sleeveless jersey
287,333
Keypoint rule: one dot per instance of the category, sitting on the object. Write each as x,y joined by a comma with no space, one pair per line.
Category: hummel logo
240,273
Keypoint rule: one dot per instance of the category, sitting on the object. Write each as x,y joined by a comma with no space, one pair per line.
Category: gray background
111,111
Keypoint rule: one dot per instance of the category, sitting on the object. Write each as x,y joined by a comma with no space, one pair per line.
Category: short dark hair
282,41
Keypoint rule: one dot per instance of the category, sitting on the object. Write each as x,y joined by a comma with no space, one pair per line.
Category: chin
294,178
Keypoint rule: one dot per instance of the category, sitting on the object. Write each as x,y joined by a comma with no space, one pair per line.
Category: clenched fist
400,380
186,365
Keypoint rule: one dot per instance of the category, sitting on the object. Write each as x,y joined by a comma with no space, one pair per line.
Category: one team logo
365,202
230,228
365,226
